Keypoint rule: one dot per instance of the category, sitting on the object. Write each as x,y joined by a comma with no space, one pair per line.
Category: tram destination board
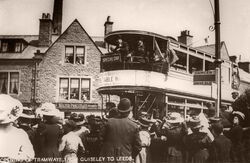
204,77
111,58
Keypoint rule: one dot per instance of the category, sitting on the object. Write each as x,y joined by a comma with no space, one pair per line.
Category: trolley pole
218,60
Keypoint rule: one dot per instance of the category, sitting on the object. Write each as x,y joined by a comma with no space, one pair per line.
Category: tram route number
108,59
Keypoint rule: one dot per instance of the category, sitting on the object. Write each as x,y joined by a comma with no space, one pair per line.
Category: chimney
108,26
57,17
245,66
45,30
233,58
185,38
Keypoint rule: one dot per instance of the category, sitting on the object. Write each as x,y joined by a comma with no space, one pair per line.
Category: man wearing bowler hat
121,136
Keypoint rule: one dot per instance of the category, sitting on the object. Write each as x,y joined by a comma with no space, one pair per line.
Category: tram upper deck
142,50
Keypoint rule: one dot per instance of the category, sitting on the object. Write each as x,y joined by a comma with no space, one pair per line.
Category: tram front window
195,64
181,63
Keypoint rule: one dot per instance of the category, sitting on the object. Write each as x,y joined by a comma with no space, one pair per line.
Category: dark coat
50,135
220,150
175,145
120,138
235,134
197,145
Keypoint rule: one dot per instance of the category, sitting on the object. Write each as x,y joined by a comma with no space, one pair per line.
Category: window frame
8,80
79,88
75,54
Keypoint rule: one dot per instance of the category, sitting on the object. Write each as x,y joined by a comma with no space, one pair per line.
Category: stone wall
25,77
53,65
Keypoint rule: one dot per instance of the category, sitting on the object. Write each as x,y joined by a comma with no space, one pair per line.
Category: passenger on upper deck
121,47
139,54
140,48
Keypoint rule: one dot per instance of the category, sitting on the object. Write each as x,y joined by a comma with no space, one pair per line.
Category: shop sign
76,106
204,77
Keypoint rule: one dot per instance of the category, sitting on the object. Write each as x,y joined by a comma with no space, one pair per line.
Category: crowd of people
35,137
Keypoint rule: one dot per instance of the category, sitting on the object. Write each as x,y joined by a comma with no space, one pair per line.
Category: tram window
195,64
209,65
181,63
176,100
193,112
178,109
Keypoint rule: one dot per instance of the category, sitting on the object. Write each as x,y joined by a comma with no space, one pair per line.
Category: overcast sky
165,17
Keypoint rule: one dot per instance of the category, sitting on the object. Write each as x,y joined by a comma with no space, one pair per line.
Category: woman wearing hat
14,143
175,130
143,156
25,122
121,135
49,132
198,142
235,135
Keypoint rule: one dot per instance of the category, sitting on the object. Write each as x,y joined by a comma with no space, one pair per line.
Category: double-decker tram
157,74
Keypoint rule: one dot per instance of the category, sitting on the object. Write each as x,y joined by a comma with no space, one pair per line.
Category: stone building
56,67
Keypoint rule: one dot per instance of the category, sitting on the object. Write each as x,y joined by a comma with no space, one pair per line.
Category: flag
171,55
158,55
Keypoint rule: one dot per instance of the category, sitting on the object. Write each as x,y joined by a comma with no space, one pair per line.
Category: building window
18,47
80,51
74,89
4,47
75,54
9,82
85,89
69,54
63,89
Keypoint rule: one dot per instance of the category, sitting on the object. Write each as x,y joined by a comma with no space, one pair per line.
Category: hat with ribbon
48,109
174,117
239,114
27,113
194,122
124,106
10,109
